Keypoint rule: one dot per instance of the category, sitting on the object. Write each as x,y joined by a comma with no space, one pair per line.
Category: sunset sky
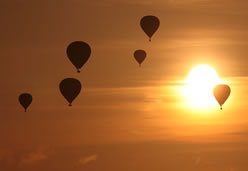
126,118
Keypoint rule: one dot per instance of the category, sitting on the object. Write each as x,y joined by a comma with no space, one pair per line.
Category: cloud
198,160
239,133
32,158
88,159
159,2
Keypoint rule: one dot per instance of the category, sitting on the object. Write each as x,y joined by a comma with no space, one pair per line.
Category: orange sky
126,117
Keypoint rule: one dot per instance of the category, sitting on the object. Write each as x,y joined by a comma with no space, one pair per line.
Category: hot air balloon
70,89
25,100
221,93
150,25
78,52
140,56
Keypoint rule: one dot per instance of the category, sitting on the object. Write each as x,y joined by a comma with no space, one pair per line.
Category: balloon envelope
70,89
150,25
221,93
25,100
78,52
140,56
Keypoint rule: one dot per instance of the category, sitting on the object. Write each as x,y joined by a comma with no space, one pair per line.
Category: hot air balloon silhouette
140,56
221,93
150,25
78,52
70,89
25,100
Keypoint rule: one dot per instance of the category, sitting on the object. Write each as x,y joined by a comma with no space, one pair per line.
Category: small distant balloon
70,89
78,52
221,93
140,56
25,100
150,25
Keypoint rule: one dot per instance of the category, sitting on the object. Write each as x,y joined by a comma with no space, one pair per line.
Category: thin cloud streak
88,159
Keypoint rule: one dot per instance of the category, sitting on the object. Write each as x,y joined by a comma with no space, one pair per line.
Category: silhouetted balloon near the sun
150,25
70,89
25,100
78,52
140,56
221,93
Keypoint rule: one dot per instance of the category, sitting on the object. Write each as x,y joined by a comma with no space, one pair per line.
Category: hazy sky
126,118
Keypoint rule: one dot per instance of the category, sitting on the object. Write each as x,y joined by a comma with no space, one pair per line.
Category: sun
198,90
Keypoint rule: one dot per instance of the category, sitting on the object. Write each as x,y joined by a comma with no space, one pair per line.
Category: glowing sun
199,86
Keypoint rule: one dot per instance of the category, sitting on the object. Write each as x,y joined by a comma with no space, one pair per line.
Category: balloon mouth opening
25,110
150,39
70,105
78,71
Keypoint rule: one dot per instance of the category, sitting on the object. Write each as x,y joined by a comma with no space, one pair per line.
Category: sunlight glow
198,91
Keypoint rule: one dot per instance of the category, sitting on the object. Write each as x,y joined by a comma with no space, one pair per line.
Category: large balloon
78,52
221,93
140,56
70,89
25,100
150,25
